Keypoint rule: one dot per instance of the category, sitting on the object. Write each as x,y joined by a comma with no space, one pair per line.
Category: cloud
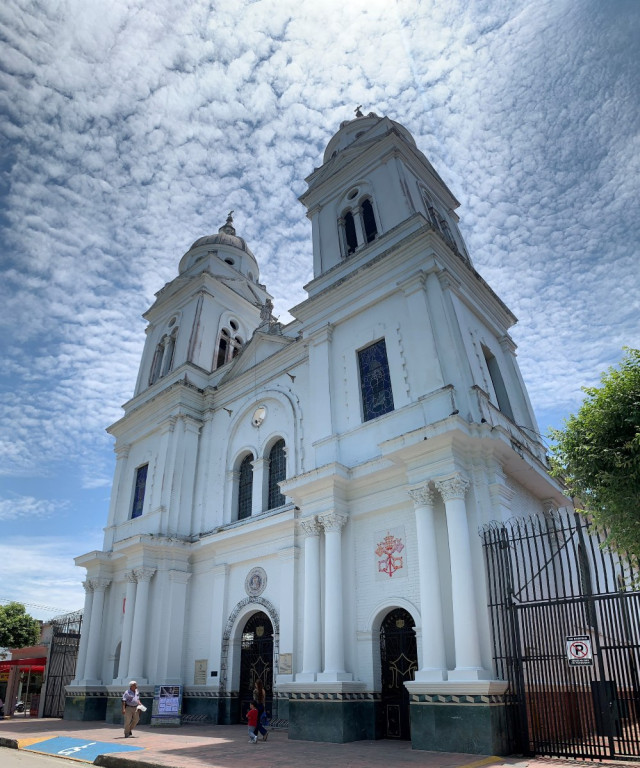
28,507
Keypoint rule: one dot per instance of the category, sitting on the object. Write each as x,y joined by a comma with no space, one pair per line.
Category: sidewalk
227,746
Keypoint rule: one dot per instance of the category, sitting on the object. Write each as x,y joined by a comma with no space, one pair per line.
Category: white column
84,632
177,599
122,454
357,220
434,663
219,613
127,627
465,620
311,648
139,632
260,468
334,671
320,370
95,630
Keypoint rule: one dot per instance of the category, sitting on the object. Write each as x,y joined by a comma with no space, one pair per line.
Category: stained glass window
375,381
138,494
245,487
277,472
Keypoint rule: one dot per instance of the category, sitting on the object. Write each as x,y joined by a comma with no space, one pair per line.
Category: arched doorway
256,660
398,663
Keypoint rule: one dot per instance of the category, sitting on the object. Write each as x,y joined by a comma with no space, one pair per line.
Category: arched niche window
245,487
277,473
229,345
163,357
357,224
368,220
350,233
499,387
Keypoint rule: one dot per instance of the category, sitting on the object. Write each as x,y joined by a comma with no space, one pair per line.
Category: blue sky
129,129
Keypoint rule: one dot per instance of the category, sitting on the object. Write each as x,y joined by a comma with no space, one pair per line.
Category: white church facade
300,503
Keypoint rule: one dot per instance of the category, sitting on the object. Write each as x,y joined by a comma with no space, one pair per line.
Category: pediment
263,344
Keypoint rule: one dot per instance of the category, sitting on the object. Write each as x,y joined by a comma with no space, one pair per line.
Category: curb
115,761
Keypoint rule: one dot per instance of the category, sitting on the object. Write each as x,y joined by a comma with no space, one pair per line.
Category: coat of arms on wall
256,582
389,559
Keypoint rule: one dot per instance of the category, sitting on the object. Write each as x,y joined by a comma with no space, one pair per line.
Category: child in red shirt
252,722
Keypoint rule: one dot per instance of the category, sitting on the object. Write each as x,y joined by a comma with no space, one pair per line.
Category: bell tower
204,316
373,178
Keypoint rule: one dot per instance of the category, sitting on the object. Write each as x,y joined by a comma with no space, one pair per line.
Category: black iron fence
565,618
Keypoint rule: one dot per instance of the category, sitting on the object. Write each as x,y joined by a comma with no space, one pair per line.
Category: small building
300,503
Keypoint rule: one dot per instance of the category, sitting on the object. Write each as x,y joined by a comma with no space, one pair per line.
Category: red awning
23,663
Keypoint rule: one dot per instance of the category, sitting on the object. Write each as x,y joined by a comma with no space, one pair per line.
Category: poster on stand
167,705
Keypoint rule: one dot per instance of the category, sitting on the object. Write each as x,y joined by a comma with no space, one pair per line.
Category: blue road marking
80,749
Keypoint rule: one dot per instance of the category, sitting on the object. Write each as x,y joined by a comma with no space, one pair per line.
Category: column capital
332,521
99,585
453,487
422,496
144,574
310,526
88,586
130,576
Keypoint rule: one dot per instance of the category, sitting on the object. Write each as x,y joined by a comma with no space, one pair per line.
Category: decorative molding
454,487
332,521
423,496
144,574
256,582
310,526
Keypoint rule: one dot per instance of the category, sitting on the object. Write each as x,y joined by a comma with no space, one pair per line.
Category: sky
128,129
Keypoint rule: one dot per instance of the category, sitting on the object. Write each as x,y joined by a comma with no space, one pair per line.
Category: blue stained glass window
138,495
245,487
375,381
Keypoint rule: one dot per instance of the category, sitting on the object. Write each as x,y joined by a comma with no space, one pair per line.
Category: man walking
130,702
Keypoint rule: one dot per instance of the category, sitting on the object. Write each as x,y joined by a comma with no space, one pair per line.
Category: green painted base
201,707
475,729
333,721
85,707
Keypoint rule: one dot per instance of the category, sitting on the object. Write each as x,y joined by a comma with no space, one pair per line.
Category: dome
230,248
351,130
226,236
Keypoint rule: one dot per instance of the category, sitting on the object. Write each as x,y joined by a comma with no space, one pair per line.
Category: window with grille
375,381
140,487
277,472
245,487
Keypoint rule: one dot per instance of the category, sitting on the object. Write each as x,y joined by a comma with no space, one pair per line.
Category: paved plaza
227,746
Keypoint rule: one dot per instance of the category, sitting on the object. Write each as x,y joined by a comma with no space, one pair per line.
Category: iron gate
256,661
399,662
565,618
61,666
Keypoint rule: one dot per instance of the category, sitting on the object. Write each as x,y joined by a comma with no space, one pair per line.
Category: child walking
252,722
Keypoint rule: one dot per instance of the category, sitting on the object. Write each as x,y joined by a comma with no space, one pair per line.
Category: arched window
223,347
245,487
368,221
228,346
350,233
163,357
277,473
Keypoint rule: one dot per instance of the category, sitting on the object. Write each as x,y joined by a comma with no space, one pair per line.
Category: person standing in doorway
130,703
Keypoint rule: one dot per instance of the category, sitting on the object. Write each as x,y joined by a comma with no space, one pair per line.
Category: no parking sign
579,652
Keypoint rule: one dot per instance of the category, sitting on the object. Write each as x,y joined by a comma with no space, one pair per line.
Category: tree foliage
17,628
598,453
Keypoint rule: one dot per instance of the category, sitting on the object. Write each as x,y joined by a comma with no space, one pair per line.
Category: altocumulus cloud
130,129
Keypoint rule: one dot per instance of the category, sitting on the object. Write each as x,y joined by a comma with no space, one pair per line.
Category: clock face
259,415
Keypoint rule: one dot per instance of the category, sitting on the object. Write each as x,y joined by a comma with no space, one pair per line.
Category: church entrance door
256,661
399,662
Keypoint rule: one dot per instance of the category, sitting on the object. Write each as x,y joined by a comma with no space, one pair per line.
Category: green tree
598,453
17,628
